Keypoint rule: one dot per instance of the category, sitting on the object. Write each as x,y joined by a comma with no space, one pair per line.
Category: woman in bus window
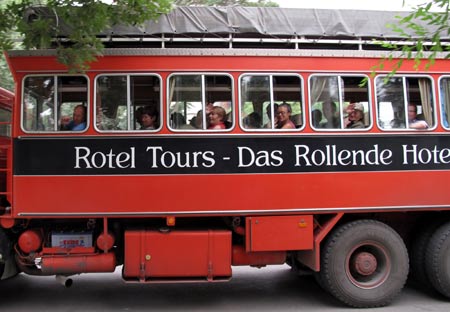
217,118
284,117
147,117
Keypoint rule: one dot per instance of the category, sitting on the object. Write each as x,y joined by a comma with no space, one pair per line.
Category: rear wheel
364,264
437,260
418,253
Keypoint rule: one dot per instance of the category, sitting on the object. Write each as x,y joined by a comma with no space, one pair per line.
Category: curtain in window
445,89
317,86
426,101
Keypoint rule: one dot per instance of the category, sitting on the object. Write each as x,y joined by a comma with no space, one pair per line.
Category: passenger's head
198,120
177,120
253,121
412,111
147,116
275,108
316,117
283,113
217,115
79,114
357,112
329,109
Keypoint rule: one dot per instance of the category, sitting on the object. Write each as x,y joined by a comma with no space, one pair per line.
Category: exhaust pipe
64,280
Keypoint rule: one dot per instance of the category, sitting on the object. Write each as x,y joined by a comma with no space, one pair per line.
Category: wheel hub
365,263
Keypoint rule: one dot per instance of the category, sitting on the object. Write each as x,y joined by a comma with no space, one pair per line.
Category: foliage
6,80
82,21
248,3
424,26
21,28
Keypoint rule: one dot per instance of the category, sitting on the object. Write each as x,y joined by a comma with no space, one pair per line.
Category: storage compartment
177,255
279,233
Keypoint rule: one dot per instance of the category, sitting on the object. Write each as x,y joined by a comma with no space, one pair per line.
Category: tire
319,281
8,266
437,260
364,264
418,253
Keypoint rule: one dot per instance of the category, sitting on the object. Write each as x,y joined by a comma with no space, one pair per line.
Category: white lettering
84,157
100,160
331,156
168,159
248,158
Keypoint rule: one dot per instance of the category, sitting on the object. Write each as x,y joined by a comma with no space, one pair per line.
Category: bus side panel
216,194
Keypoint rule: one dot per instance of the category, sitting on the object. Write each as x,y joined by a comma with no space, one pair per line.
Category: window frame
441,110
341,115
55,77
403,76
129,102
271,75
204,99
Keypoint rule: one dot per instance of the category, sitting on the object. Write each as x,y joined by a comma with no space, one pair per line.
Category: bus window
122,99
194,100
339,102
261,98
404,103
48,100
444,91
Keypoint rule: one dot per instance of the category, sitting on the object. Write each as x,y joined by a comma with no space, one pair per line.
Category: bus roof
237,21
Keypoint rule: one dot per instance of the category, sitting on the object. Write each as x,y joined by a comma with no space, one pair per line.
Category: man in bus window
78,122
355,116
413,122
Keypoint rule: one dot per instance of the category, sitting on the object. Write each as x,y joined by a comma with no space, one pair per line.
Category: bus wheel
418,252
437,262
364,264
8,266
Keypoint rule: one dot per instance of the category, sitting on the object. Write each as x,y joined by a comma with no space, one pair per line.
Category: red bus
191,149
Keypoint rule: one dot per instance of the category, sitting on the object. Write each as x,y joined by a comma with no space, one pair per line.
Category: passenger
208,108
316,118
399,121
355,116
329,112
197,121
177,120
413,122
253,121
217,118
268,112
147,117
78,122
284,112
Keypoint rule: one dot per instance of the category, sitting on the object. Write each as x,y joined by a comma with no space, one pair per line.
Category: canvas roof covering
267,21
